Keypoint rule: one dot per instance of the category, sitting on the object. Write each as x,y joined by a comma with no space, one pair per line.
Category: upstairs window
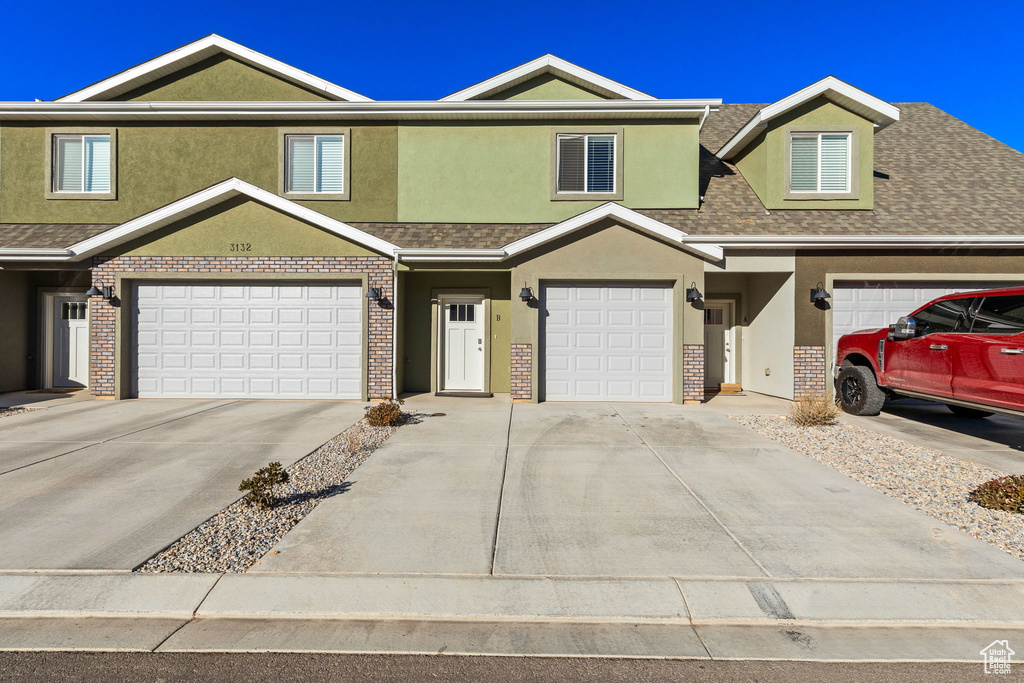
315,164
820,163
81,164
586,164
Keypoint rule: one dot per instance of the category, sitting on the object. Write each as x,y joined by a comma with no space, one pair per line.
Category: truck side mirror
905,328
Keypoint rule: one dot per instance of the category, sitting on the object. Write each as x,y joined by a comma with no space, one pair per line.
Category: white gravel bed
240,534
927,480
16,410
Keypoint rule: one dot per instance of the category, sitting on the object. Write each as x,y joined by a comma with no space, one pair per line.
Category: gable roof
548,64
612,210
206,199
830,87
195,52
937,182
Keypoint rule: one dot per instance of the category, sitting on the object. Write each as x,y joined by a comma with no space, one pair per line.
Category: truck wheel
858,391
960,411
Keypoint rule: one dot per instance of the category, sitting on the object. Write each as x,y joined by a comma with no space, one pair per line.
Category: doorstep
464,394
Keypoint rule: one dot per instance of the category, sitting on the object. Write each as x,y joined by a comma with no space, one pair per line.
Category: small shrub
387,413
1004,493
815,410
261,486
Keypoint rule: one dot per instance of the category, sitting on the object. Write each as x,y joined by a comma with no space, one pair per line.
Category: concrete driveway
105,485
487,488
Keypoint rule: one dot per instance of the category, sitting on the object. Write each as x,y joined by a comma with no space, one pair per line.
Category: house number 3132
240,246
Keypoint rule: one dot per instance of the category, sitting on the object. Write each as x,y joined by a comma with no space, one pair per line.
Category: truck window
943,316
1000,315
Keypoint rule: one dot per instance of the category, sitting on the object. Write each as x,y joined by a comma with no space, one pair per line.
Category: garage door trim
124,288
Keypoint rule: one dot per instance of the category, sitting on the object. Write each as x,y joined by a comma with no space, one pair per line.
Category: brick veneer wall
102,314
693,372
522,372
809,370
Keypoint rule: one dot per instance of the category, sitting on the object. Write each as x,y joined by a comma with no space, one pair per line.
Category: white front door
69,357
718,343
462,344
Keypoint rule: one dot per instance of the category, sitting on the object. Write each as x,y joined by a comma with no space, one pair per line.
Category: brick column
809,371
693,373
522,372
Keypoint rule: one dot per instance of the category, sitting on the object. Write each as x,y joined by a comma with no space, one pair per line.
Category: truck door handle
1012,352
938,347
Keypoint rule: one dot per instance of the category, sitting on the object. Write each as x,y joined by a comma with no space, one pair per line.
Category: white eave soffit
842,93
197,51
548,64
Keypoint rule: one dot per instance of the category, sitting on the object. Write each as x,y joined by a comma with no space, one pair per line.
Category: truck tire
961,411
858,392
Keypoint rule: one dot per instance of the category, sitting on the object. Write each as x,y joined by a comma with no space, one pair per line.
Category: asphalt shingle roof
934,175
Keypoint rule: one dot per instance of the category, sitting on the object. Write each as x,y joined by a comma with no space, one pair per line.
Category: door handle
1012,352
938,347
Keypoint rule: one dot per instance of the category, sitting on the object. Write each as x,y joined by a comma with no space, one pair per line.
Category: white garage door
871,305
607,342
247,340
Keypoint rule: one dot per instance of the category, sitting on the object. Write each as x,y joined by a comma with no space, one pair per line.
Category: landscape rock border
15,410
239,535
924,478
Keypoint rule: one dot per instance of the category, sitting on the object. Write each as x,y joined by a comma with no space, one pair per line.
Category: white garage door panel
870,305
247,341
607,343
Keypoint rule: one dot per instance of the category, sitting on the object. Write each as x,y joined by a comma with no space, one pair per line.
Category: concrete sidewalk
795,619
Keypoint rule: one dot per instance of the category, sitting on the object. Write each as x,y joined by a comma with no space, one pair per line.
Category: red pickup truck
965,350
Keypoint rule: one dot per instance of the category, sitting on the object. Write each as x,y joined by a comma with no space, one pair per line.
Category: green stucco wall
763,163
814,267
498,173
242,227
546,87
220,78
417,291
160,163
16,321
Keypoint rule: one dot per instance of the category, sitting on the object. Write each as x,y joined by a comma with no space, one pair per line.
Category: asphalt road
168,668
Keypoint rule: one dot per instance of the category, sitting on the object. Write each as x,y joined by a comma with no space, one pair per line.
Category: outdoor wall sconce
526,294
818,294
693,294
375,293
106,292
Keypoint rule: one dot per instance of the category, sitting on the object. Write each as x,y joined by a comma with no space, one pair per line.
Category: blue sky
962,57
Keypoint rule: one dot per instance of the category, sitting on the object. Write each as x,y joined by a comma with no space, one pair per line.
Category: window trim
282,163
52,134
853,174
619,144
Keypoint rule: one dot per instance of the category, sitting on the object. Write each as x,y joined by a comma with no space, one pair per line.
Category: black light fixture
106,292
693,294
819,294
374,293
526,294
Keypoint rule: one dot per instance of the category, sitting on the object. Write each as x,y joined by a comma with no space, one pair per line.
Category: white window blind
820,162
82,163
586,163
316,163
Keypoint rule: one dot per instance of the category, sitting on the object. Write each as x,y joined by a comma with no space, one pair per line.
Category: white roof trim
542,65
197,51
212,196
869,241
409,110
619,213
452,254
830,87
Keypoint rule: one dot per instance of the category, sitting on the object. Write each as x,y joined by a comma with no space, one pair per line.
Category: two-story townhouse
215,223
